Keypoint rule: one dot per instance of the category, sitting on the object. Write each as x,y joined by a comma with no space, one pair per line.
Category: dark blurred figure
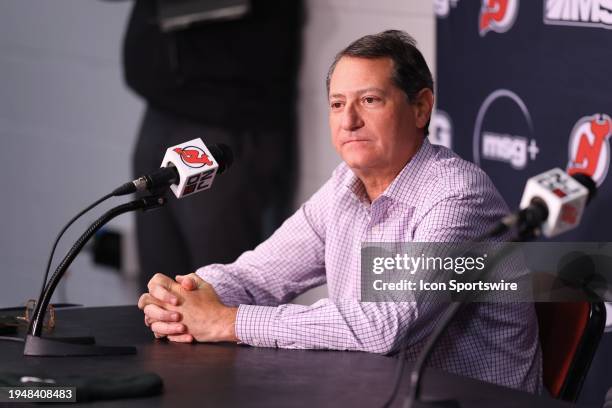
225,81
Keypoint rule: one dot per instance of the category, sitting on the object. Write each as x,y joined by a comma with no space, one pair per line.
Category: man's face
373,126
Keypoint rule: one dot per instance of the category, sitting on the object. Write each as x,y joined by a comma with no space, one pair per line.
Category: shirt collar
396,190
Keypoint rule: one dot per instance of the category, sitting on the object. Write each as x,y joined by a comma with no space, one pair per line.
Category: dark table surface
227,375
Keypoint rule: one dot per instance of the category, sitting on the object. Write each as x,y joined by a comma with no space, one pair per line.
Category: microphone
554,201
187,168
193,166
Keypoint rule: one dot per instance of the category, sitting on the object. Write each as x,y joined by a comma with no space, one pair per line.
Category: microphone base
71,346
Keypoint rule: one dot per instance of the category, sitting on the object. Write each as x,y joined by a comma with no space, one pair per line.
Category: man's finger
142,301
181,338
168,328
187,282
161,280
156,313
146,299
162,293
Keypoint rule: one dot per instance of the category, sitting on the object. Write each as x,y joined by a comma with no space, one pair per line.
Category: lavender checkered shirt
437,197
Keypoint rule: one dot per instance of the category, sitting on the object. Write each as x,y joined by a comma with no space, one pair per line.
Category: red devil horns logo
497,15
589,147
193,156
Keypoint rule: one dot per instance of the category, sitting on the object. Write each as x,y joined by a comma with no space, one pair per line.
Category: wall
68,124
67,127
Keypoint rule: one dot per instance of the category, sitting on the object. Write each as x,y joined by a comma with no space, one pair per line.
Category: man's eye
370,100
336,105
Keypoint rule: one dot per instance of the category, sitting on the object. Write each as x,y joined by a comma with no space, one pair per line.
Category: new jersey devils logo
497,15
589,147
193,156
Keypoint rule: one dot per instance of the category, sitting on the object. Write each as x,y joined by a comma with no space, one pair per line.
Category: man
393,186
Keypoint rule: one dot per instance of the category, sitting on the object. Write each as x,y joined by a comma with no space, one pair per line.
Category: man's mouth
350,141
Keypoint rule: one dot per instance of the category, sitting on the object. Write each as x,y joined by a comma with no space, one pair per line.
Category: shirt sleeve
287,264
334,325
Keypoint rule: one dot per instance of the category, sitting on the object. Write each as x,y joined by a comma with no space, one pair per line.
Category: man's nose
351,119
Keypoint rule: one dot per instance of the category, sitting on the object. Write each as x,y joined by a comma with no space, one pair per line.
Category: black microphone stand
35,344
527,223
416,375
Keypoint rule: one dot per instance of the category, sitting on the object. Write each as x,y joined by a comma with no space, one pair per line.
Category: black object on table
228,375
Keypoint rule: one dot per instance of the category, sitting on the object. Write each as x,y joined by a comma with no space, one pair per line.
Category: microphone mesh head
223,155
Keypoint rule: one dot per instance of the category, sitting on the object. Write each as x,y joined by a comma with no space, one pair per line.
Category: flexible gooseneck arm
144,203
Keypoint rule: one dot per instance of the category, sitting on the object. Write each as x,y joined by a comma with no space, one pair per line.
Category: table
228,375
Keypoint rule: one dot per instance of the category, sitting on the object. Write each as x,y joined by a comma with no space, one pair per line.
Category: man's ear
423,105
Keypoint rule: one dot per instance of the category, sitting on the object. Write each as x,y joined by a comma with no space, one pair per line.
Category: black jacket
241,73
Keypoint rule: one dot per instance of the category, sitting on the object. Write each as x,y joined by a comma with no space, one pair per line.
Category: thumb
187,282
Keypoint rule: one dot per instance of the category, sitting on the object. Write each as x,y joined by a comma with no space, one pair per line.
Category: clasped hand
187,309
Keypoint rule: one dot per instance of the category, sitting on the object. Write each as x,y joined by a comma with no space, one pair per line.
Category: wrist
230,326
